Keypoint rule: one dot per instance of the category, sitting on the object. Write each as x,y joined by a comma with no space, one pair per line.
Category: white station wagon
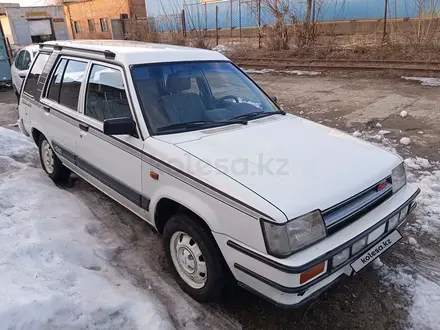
238,188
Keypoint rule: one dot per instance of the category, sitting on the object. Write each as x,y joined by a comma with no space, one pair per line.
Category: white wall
20,15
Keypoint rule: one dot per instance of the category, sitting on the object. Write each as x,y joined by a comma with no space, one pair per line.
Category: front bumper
278,280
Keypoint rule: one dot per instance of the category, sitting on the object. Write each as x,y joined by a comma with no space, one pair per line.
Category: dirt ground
347,101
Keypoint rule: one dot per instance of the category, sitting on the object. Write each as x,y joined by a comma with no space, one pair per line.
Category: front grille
355,207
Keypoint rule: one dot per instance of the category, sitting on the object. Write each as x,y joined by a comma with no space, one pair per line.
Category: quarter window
31,82
106,96
104,24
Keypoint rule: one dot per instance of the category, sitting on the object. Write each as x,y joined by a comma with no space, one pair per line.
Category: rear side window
106,96
66,83
55,85
31,83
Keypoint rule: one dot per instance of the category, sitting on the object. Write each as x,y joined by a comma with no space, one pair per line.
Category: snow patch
223,49
417,163
403,113
357,134
405,141
412,241
378,125
423,294
384,132
292,72
426,81
428,211
47,258
377,263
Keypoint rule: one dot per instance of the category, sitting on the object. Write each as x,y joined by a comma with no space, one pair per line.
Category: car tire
191,237
51,163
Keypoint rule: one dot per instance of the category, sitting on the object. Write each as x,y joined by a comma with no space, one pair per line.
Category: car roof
32,48
135,52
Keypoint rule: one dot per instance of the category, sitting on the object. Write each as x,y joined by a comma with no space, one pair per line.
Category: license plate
376,251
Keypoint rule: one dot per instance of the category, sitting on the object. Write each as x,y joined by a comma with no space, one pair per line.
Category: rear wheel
51,163
194,258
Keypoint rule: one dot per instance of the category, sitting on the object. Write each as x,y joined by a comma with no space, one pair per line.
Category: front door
112,163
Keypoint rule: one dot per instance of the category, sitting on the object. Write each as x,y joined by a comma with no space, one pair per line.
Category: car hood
295,164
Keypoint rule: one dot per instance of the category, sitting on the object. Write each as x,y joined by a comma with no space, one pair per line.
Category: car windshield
177,97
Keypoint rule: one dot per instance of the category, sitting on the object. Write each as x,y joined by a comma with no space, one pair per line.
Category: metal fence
248,18
231,14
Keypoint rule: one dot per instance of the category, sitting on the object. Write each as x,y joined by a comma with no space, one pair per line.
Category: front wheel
51,163
194,258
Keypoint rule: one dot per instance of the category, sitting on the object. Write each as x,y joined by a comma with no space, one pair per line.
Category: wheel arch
36,133
168,204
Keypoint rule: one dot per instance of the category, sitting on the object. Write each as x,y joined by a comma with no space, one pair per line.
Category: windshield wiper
192,124
254,114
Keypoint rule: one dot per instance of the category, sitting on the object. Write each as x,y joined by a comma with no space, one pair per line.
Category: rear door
112,163
61,100
29,104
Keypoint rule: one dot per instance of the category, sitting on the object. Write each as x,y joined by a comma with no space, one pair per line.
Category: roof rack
107,54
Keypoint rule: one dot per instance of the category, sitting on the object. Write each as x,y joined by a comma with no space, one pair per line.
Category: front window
178,97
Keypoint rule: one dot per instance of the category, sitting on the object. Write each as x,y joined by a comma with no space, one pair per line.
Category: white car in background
21,65
237,187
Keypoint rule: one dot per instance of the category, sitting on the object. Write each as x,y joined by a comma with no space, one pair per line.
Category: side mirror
274,98
119,126
22,74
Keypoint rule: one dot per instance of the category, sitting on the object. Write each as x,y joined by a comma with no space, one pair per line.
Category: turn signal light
154,175
311,273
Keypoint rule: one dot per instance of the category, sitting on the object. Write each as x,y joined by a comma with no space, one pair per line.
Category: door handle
46,108
84,127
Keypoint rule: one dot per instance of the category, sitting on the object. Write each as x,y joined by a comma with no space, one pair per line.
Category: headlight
398,176
283,240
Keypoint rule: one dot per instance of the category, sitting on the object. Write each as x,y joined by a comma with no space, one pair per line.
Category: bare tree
427,26
308,11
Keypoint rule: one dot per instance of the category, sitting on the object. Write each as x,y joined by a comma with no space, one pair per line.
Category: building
91,19
27,25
